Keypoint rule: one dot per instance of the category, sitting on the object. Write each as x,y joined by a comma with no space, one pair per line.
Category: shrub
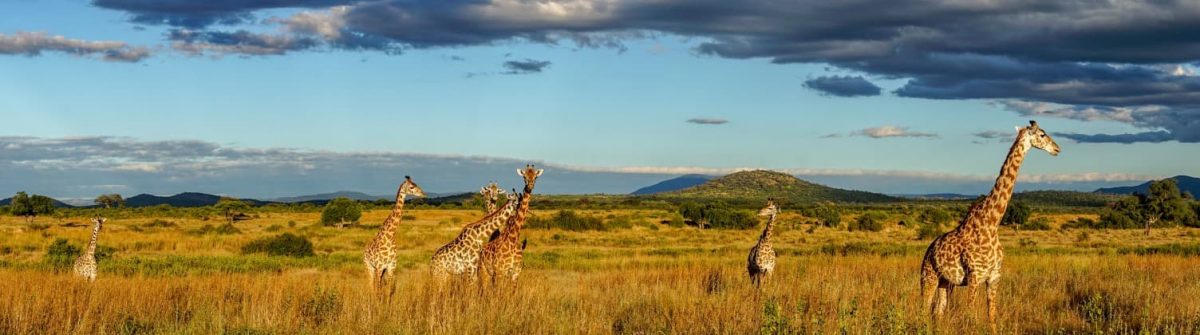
225,229
869,221
567,220
826,215
159,223
1037,224
929,231
717,215
285,244
61,254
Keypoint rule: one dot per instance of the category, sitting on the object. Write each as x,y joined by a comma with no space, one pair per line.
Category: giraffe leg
942,298
929,289
371,279
991,304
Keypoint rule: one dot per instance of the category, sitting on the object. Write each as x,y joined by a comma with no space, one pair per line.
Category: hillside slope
762,184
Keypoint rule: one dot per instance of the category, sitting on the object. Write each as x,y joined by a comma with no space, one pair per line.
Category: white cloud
890,131
35,43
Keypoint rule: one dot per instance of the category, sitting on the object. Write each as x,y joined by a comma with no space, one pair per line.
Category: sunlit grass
651,278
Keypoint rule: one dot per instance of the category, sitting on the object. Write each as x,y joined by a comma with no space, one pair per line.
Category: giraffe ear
520,173
539,172
1018,128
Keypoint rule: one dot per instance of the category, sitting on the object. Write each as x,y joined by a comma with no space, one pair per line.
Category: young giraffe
503,256
970,254
491,196
461,256
380,254
85,265
762,257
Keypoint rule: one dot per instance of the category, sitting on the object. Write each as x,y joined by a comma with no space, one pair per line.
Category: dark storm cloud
1100,54
525,66
199,14
843,86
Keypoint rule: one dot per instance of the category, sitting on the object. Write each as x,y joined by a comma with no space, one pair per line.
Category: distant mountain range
1186,184
674,184
329,196
759,185
185,199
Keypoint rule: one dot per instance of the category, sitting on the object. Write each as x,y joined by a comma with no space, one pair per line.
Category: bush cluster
717,215
285,244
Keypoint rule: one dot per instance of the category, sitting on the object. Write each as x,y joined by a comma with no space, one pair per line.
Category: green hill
759,185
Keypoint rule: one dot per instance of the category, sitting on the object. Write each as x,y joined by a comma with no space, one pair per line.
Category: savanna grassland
642,276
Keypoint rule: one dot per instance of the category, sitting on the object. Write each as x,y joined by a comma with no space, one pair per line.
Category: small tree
230,208
1016,214
869,221
110,200
31,206
341,211
22,206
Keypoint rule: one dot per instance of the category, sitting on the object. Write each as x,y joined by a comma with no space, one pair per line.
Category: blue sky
603,93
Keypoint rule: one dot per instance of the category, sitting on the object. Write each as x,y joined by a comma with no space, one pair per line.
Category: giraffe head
770,210
410,188
530,175
1037,137
491,192
98,222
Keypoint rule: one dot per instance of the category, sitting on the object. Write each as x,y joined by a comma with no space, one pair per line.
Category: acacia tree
1016,214
341,211
29,207
230,208
110,200
1165,202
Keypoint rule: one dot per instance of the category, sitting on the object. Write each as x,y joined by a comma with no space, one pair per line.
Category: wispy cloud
705,120
525,66
890,131
35,43
843,86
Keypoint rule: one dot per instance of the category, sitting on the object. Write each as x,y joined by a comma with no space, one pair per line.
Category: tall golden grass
632,281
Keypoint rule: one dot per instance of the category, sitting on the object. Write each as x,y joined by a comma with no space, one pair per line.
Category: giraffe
503,256
85,265
380,254
970,255
491,196
461,255
762,257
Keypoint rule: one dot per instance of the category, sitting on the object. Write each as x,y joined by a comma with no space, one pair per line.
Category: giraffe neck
91,248
996,201
477,233
514,227
491,205
766,235
393,219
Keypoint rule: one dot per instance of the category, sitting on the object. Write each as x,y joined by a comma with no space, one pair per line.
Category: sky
272,98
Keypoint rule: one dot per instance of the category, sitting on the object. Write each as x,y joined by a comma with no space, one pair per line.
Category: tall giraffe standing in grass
491,196
85,265
380,254
461,255
762,257
503,256
970,254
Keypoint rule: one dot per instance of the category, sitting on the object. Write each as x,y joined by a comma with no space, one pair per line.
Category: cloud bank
843,86
81,167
